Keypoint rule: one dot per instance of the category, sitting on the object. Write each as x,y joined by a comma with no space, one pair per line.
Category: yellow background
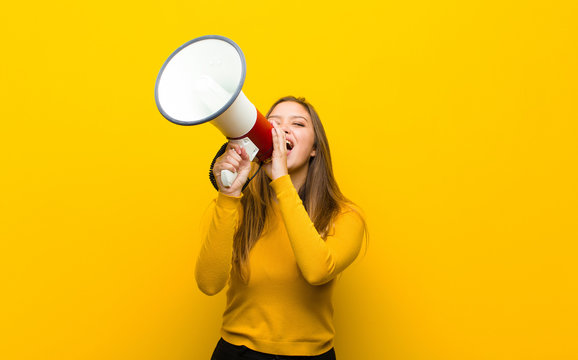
453,124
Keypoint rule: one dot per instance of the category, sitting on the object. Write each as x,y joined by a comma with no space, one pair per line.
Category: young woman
280,244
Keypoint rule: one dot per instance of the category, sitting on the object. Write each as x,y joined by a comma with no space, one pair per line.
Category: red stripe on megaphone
260,135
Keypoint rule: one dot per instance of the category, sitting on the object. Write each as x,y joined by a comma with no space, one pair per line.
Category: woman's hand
234,159
278,165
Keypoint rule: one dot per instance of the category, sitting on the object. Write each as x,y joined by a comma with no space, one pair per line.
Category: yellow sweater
286,309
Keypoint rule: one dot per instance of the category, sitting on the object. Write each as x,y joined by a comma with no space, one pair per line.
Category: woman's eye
299,124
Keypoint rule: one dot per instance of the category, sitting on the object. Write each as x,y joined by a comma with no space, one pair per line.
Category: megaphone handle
227,178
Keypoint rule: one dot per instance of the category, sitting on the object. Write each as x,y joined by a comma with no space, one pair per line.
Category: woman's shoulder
349,209
349,218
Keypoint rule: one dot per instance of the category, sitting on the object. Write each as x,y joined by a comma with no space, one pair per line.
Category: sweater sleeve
214,261
319,260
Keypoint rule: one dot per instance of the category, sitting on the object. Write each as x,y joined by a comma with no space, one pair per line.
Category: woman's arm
214,261
319,260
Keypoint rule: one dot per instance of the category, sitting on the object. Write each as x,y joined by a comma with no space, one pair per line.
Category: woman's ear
313,153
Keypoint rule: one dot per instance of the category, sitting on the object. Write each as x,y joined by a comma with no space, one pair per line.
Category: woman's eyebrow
290,117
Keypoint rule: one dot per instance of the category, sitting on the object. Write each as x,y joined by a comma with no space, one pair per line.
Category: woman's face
295,120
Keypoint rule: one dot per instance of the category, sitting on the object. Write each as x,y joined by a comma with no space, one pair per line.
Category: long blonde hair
320,194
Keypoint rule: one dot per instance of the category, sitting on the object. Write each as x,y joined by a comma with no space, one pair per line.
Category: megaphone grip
227,177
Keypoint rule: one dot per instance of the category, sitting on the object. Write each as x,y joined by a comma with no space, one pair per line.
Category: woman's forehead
290,109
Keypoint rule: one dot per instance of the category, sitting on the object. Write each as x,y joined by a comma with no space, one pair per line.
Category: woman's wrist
277,176
281,183
235,194
228,201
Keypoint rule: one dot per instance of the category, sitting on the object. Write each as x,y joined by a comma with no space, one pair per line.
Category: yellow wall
452,123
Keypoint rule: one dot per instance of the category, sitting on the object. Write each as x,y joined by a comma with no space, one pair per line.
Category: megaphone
201,82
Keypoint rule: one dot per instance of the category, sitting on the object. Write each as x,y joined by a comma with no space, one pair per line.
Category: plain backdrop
453,124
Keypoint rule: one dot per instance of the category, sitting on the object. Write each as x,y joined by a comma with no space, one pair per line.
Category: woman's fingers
274,136
281,139
244,155
236,160
232,156
278,139
230,160
278,136
227,166
278,165
235,147
235,151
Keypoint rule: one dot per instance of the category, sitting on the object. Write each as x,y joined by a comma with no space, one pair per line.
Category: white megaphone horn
200,82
